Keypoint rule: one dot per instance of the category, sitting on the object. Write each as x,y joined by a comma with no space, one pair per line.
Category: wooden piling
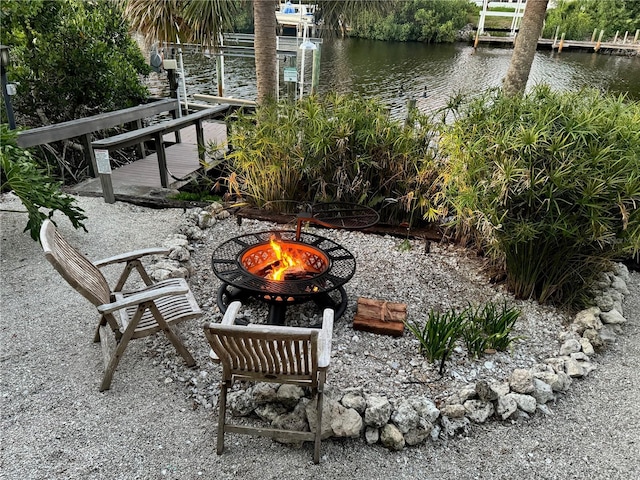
315,71
411,106
593,37
561,42
635,39
615,39
220,74
597,47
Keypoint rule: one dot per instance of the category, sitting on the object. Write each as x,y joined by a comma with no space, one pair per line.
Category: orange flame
286,261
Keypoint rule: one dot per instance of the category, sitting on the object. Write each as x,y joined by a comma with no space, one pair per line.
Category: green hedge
548,185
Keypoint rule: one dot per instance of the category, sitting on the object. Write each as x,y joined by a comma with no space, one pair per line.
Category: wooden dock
558,44
142,177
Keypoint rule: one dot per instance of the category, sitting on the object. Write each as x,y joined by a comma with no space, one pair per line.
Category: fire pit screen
283,268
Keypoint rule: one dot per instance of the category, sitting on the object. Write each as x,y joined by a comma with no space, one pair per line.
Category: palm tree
264,21
199,21
526,43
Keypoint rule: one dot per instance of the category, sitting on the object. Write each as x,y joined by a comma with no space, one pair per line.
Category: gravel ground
156,423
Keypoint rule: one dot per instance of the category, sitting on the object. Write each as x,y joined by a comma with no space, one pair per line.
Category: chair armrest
125,257
139,298
228,319
324,339
231,313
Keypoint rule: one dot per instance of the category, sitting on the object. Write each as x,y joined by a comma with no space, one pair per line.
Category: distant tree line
428,21
578,19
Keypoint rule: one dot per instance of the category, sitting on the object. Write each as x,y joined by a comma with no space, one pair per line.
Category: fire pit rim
232,270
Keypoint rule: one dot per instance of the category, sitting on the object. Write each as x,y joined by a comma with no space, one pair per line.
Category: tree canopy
71,59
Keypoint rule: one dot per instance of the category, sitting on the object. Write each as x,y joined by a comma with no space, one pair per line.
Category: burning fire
286,262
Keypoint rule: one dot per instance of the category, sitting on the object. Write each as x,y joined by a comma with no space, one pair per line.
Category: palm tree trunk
532,22
264,13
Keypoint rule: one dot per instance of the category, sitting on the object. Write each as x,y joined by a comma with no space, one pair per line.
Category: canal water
396,72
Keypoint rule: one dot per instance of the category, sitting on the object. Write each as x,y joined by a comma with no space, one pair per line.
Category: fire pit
283,268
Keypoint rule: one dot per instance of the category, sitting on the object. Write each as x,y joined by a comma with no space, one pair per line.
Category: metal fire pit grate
344,215
331,266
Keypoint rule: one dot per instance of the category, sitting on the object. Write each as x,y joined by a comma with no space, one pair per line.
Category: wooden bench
85,127
156,133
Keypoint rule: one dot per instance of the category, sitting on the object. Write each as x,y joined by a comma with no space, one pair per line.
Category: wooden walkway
143,176
545,43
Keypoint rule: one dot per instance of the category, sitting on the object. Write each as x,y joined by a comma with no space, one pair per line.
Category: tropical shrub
547,185
20,173
335,148
70,59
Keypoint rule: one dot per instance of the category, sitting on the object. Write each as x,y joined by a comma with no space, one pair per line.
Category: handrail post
89,155
103,166
200,140
162,160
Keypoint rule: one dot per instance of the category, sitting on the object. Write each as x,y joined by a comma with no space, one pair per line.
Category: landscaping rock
542,391
372,435
345,422
289,395
391,437
405,417
506,406
355,401
589,318
425,408
455,426
378,411
479,411
612,317
521,381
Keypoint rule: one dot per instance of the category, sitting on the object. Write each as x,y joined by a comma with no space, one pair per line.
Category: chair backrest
266,353
74,267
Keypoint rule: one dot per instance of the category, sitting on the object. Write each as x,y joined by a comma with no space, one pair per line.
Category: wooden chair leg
171,335
221,415
101,323
115,359
319,404
120,348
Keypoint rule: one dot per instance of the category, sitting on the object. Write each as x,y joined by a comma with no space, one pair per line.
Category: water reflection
396,72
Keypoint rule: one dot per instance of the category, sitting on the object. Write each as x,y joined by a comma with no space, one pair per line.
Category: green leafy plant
473,335
70,59
480,328
20,173
335,148
547,185
489,327
498,324
438,334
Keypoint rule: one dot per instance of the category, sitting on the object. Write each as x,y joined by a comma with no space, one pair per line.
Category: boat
295,14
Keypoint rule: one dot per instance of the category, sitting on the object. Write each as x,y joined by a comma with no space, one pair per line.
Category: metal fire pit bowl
238,261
